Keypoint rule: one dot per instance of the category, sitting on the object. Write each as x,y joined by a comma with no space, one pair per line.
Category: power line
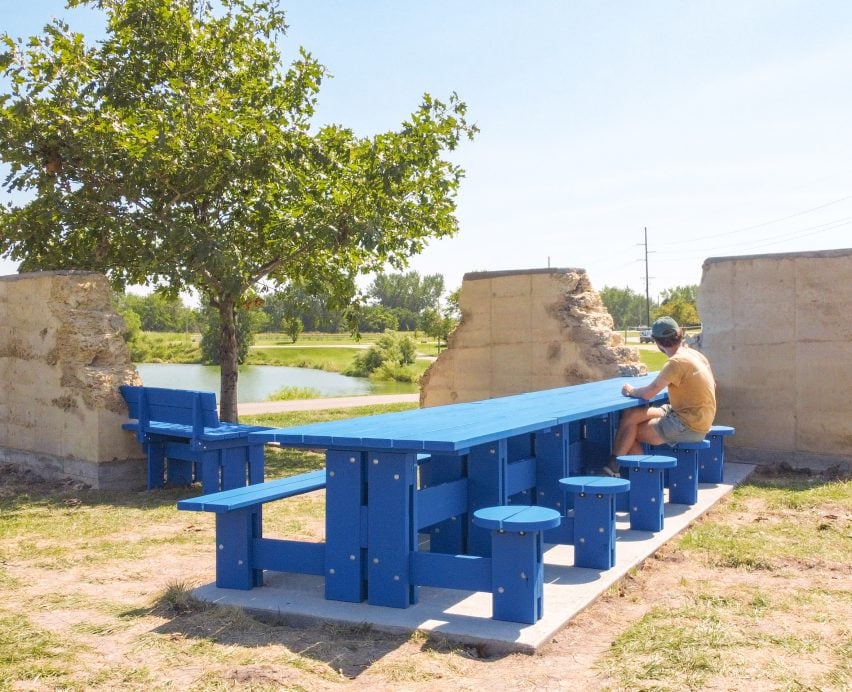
647,279
765,242
764,223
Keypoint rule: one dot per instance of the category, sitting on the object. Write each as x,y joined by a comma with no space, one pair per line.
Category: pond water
258,382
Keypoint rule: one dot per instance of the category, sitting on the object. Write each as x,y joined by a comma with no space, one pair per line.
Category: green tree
682,312
626,307
132,321
688,294
391,351
161,313
679,303
437,325
453,307
407,292
293,327
287,308
176,152
248,322
377,318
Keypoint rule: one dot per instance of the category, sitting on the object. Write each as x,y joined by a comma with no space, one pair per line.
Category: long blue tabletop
458,427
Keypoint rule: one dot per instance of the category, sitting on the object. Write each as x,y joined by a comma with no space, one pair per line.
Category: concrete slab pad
465,616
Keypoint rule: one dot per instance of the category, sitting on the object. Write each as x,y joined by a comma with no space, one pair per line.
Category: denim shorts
673,430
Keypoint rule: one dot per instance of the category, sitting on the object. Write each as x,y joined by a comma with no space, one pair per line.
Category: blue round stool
594,518
517,567
711,462
683,478
646,473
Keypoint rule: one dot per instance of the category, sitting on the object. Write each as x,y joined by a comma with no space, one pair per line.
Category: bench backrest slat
181,406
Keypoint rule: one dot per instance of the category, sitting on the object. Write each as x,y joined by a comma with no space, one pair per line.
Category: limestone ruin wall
524,331
62,359
778,333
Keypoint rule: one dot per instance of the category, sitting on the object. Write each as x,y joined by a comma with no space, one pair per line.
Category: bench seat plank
257,494
225,431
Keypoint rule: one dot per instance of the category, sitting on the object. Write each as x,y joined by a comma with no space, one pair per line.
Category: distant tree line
628,308
392,302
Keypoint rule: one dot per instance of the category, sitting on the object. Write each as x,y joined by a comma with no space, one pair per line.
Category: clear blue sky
723,126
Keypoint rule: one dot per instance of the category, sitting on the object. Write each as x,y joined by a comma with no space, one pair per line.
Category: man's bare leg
634,428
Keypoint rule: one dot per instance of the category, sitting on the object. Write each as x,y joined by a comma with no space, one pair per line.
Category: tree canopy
177,152
408,290
625,306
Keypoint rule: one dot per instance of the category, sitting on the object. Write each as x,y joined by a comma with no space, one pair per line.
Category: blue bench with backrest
185,441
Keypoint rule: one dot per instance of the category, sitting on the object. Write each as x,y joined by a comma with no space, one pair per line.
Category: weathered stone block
62,359
526,330
777,332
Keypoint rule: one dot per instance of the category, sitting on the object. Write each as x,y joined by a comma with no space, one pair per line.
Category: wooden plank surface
456,427
246,496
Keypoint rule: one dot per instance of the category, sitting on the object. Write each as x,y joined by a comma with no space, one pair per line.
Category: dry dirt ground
116,614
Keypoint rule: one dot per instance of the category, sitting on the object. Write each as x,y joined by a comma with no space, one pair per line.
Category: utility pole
647,293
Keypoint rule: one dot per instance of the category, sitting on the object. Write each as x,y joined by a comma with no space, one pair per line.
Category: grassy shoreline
329,352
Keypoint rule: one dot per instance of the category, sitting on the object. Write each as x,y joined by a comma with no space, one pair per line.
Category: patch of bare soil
129,627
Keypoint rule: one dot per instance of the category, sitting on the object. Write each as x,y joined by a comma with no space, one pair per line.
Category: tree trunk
228,365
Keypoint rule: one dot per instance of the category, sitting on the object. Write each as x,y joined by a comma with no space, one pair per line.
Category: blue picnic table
392,479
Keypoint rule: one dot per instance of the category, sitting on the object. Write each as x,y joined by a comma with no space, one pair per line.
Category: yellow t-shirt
692,388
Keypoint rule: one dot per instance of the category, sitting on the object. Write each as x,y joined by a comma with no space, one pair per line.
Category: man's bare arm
647,392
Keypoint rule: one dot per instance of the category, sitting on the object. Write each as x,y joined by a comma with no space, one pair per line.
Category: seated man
692,393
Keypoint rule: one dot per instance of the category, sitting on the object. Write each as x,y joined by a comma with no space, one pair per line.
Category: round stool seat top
701,444
646,461
517,518
595,484
721,430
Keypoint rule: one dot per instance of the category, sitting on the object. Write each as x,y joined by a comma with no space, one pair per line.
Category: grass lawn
652,359
425,345
318,358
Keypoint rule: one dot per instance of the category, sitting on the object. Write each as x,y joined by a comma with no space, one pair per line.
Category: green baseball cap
665,327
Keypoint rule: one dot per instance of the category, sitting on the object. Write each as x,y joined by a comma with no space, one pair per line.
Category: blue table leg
179,472
234,463
598,433
391,528
553,462
486,471
551,452
346,492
